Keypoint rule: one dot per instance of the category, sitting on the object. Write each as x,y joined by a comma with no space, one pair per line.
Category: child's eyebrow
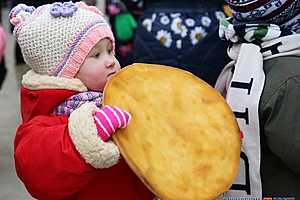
96,48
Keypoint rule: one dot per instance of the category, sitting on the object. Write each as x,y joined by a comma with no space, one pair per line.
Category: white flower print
197,34
206,21
190,22
178,28
153,17
164,20
147,23
175,15
220,15
176,25
184,31
164,37
179,44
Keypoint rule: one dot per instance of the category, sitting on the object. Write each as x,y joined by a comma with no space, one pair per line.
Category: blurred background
10,187
178,33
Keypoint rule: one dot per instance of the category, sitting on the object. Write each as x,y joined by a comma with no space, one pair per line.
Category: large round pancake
183,140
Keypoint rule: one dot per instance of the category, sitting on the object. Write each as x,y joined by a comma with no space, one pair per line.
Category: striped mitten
108,119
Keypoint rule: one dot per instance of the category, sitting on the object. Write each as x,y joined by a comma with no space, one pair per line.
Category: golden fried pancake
183,140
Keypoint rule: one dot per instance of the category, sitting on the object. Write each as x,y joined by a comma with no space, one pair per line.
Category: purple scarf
75,101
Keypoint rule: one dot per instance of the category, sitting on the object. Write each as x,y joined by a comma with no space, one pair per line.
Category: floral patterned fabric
181,30
184,36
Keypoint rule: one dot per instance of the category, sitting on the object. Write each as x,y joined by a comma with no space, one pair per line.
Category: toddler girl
62,147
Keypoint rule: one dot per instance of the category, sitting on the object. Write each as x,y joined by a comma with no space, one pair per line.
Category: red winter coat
52,161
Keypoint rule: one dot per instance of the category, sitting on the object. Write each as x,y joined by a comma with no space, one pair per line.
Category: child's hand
108,119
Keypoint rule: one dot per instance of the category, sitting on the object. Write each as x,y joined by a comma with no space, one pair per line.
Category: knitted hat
56,38
270,11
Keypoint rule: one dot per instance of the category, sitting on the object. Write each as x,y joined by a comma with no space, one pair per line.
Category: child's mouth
110,74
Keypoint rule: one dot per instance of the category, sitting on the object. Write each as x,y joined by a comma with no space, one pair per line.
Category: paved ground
10,186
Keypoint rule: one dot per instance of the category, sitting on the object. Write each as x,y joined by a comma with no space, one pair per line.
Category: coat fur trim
83,132
35,81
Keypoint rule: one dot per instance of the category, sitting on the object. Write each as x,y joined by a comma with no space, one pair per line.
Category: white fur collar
35,81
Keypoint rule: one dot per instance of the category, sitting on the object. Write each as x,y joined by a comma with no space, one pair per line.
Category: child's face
99,66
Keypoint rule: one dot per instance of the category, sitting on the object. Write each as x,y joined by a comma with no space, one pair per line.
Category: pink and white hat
56,38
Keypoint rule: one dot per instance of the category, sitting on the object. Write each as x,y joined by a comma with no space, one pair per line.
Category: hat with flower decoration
56,38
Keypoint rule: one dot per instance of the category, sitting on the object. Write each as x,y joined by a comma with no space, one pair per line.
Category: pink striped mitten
108,119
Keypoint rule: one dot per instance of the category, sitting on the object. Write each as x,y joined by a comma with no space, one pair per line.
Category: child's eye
97,55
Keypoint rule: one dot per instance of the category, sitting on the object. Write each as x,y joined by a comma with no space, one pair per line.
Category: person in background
3,70
262,86
62,148
123,16
182,34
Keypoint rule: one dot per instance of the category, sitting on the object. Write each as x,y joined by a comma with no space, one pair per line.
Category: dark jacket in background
206,59
280,125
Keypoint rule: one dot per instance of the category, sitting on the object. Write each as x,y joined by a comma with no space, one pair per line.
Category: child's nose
110,62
